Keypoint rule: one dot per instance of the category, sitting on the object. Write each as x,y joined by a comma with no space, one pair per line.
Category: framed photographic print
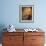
26,13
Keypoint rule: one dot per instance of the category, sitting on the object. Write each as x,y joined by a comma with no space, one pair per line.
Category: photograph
26,13
22,23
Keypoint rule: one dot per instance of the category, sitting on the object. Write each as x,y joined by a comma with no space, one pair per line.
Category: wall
10,13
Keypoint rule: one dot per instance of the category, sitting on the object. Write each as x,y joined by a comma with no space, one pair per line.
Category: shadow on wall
2,26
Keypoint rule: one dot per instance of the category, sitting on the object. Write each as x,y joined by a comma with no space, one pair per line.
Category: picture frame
26,13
